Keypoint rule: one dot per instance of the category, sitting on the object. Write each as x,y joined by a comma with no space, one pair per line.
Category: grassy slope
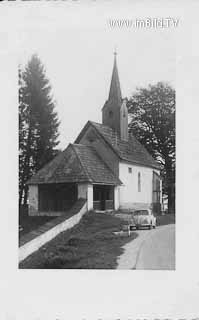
89,245
30,223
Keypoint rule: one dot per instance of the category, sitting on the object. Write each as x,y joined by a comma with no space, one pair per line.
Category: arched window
139,182
110,114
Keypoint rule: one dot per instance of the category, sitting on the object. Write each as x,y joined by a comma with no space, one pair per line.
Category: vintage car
144,218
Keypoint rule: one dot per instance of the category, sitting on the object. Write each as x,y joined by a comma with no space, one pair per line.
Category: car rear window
141,213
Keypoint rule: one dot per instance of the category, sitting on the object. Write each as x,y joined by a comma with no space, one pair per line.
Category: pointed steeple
114,111
115,91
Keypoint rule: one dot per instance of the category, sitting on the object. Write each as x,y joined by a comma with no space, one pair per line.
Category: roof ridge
105,163
81,145
108,142
82,165
127,143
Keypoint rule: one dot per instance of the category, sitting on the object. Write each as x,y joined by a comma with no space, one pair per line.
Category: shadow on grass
90,245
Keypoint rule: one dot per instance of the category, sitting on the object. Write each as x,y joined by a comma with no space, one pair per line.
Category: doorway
103,197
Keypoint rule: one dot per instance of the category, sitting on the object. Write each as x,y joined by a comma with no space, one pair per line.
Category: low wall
33,245
128,206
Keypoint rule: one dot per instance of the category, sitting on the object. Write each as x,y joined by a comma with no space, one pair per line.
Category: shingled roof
132,150
77,163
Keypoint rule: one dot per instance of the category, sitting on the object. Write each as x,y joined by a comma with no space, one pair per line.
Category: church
105,165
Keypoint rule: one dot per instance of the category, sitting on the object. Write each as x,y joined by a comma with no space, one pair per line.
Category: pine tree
152,112
38,123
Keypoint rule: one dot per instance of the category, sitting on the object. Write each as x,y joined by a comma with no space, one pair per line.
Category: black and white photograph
105,151
97,147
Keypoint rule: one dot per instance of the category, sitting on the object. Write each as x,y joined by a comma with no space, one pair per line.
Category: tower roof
115,90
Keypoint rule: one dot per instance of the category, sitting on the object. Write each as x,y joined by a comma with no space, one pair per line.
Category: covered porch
52,199
76,173
103,197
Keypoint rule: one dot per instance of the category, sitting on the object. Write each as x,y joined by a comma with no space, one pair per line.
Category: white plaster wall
85,191
82,190
129,194
33,199
35,244
90,197
116,198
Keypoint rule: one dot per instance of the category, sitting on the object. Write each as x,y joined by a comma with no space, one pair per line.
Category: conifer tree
38,123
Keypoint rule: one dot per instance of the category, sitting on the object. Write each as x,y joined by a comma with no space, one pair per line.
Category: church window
111,114
130,170
139,182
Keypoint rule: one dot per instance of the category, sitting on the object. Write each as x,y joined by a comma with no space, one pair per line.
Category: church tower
114,112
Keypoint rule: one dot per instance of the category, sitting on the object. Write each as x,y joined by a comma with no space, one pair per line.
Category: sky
76,48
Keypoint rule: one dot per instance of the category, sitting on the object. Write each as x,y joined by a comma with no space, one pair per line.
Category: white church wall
129,195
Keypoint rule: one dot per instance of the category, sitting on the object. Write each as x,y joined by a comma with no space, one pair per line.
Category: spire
114,111
115,91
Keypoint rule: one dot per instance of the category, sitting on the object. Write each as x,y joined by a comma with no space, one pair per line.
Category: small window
111,114
139,182
130,170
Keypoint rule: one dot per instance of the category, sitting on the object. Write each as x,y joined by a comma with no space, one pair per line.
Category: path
152,250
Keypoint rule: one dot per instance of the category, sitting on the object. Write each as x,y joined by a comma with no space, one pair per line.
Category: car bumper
143,225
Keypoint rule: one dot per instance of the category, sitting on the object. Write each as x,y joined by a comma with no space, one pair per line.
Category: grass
89,245
28,223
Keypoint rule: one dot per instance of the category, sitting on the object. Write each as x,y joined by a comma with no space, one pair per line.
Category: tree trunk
170,200
25,171
25,194
170,177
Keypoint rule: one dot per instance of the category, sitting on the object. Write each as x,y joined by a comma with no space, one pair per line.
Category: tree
38,123
152,121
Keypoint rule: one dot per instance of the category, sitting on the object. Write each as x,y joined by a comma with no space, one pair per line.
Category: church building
105,165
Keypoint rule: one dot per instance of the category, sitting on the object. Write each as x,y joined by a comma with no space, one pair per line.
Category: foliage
152,121
38,122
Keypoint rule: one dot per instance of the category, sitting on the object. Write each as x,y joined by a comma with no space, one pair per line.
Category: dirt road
152,250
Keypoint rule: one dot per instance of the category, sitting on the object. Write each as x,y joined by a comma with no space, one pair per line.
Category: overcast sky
76,47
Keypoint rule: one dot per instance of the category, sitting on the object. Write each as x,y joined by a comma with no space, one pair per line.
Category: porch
103,197
57,198
52,199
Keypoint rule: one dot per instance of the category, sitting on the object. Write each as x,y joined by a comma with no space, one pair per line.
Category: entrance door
103,197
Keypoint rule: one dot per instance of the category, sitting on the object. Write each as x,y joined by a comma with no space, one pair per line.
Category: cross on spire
115,91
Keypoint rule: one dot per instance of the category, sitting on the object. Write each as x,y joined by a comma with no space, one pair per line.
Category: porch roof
77,163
